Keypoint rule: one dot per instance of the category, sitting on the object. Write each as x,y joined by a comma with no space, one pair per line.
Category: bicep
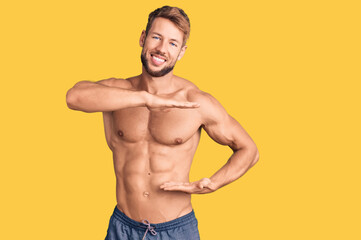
222,127
107,82
86,83
110,82
227,131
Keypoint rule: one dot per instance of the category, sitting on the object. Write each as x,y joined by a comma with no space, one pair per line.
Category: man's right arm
105,96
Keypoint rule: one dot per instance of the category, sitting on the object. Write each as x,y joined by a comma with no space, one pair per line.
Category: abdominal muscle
141,168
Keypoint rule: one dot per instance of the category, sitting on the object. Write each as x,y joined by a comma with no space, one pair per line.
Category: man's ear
142,39
182,52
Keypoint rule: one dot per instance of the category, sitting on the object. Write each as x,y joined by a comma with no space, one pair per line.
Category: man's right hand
154,102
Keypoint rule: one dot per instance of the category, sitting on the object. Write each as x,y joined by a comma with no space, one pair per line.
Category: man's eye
173,44
155,37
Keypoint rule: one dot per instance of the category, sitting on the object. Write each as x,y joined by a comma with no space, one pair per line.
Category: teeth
158,59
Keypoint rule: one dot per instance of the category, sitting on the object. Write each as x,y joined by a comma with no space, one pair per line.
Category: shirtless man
152,125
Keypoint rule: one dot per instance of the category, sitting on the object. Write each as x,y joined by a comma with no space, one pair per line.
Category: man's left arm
225,130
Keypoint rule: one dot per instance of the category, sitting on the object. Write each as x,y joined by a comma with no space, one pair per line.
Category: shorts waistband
178,222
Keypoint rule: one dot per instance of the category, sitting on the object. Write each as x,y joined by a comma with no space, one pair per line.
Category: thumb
204,182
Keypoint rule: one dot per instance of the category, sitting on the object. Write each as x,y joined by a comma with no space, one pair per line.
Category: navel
178,140
146,194
120,133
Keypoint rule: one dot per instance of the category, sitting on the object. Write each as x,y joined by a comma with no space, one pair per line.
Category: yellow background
288,71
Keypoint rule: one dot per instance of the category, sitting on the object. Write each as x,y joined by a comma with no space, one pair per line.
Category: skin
153,126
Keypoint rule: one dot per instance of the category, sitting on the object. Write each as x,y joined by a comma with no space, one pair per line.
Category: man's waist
157,206
181,220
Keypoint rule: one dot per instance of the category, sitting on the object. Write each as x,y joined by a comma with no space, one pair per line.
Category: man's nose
161,47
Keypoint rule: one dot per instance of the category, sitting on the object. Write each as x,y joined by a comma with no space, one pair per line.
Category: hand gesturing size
202,186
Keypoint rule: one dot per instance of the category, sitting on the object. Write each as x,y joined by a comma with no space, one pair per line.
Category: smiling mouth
158,60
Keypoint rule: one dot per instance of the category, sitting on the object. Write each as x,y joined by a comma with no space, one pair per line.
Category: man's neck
156,85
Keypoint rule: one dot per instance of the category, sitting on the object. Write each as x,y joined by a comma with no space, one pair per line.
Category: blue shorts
122,227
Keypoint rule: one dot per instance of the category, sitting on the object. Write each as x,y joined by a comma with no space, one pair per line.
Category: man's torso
151,147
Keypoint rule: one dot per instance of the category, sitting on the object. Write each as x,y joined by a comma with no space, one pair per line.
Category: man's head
164,40
175,15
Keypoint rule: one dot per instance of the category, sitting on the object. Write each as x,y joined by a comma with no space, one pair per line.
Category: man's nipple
178,141
120,133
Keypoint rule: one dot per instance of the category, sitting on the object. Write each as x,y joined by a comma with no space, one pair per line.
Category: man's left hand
204,185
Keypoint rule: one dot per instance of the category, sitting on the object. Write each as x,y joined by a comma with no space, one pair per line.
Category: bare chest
172,127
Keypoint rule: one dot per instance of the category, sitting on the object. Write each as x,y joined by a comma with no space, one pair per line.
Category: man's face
162,47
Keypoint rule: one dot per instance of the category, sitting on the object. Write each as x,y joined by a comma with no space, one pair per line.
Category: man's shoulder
183,83
197,95
193,92
210,108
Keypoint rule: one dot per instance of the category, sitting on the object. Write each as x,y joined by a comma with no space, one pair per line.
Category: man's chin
159,73
155,73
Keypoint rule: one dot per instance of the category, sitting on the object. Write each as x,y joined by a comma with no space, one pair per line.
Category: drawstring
149,228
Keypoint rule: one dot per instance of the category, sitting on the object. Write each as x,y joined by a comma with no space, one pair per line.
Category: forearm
237,165
94,97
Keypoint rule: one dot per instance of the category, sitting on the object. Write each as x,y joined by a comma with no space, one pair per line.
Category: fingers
203,183
173,184
201,186
177,186
193,187
169,102
207,183
185,104
181,188
166,107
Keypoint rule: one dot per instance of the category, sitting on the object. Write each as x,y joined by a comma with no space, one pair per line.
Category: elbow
71,99
75,96
256,158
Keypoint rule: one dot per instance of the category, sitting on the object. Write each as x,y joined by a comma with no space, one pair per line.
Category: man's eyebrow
173,39
156,33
